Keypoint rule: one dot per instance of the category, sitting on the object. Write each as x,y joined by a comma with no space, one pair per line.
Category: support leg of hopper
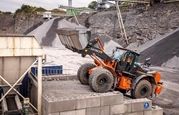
39,85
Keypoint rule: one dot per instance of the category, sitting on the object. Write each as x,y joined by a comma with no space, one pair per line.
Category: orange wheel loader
122,72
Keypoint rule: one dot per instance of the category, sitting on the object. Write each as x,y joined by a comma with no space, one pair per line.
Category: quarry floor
168,99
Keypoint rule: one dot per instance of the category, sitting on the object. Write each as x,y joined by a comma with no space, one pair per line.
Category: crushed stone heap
163,51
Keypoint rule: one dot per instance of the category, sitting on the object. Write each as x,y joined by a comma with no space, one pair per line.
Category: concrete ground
169,98
67,89
60,56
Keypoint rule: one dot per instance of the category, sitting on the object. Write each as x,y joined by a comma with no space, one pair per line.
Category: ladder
121,24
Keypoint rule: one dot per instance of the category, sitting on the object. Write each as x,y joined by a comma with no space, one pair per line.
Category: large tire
143,89
101,80
82,73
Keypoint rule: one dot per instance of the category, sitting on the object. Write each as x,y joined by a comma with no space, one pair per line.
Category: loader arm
94,47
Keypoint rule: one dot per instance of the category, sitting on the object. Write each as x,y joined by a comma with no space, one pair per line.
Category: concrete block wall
111,103
59,77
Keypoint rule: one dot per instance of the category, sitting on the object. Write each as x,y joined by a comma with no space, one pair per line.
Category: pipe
39,101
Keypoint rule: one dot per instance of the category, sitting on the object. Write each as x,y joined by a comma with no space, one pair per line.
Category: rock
160,18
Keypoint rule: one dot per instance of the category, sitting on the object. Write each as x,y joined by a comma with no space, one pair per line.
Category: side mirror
147,62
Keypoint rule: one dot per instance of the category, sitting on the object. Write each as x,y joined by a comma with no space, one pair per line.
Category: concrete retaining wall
70,97
111,103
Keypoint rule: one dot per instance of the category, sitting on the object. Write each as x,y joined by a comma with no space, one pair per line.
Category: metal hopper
74,38
17,54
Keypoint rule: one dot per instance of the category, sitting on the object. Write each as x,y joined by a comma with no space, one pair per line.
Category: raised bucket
74,38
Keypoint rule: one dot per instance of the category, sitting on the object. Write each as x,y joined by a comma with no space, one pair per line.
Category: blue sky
12,5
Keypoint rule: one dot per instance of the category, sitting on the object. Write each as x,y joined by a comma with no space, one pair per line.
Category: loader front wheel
101,80
143,89
82,73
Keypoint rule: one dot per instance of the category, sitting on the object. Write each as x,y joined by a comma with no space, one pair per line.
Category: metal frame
15,46
38,109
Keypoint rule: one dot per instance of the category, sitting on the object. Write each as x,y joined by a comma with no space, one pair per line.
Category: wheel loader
120,71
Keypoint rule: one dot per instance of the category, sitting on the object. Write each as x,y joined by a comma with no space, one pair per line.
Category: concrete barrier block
117,109
76,112
93,111
148,112
61,78
157,110
141,104
71,77
88,102
64,105
54,113
135,113
104,110
112,99
127,106
44,112
44,102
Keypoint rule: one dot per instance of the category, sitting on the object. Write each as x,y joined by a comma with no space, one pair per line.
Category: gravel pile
46,33
163,51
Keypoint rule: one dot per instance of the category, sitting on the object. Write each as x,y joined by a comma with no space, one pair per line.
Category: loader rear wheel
82,73
101,80
143,89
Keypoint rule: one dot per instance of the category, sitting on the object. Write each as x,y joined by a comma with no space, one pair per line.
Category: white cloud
12,5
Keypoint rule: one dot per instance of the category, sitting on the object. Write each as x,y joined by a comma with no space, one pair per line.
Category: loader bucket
74,38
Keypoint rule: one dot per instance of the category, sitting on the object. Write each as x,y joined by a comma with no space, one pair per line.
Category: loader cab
127,62
117,54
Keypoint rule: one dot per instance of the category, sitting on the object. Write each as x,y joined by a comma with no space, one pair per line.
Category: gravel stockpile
46,33
163,51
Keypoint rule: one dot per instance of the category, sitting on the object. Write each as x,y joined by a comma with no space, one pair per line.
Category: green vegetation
29,9
58,11
40,9
85,8
92,5
1,12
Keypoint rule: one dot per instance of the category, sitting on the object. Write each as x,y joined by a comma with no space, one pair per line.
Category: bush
7,13
29,9
1,12
58,11
92,5
40,9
